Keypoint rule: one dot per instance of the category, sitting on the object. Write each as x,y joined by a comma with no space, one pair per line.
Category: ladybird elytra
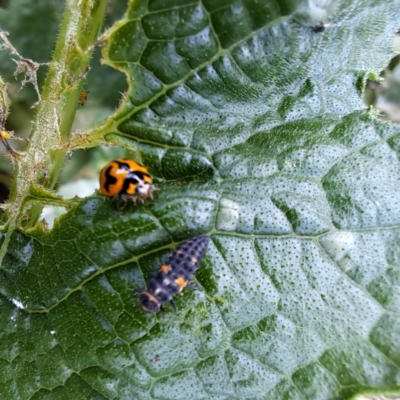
126,179
174,274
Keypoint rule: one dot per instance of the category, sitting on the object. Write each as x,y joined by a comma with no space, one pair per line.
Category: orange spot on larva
165,268
181,282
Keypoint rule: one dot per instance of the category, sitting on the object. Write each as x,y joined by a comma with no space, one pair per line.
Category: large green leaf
255,129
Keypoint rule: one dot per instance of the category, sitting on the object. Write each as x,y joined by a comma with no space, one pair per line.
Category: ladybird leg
151,191
173,305
122,203
162,311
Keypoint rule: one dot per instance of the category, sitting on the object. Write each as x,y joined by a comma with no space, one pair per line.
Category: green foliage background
254,128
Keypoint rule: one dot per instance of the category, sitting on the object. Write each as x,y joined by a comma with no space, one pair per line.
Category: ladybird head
148,302
144,189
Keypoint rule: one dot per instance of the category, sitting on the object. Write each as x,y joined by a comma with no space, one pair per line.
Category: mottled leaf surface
254,129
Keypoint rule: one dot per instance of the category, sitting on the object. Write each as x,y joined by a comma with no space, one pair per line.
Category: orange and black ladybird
174,274
126,179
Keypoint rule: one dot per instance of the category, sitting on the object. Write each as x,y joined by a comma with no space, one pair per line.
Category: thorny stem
44,155
24,65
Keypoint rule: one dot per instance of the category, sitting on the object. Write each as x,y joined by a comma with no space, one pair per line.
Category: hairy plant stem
44,155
